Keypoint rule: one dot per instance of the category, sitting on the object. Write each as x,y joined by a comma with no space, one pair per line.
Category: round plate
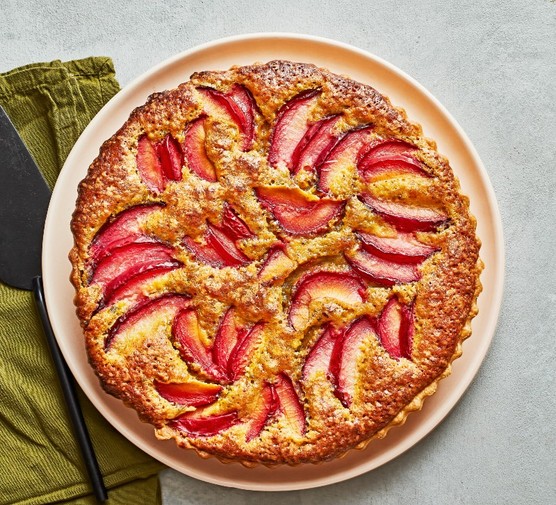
403,91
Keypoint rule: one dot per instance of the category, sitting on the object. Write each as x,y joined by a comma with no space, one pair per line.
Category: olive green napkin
50,104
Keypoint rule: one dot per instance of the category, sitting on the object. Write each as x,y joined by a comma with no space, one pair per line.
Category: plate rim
458,389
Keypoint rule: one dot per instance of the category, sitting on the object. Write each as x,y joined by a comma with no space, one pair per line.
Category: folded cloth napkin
50,104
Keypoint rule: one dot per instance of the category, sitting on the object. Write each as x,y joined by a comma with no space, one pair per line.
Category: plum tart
272,264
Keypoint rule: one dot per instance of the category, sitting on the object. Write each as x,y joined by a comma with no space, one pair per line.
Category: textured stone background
493,65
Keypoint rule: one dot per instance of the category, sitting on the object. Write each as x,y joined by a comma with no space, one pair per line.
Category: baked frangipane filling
272,264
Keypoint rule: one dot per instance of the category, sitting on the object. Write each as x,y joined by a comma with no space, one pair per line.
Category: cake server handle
70,397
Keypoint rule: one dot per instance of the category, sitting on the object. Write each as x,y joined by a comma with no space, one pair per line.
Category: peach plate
421,107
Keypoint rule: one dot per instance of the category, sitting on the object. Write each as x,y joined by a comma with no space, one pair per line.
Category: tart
272,264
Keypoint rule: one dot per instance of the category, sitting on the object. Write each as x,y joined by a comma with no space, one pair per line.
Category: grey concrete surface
493,65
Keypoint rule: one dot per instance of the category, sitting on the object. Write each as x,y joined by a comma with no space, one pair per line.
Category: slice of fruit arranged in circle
276,265
339,287
385,148
403,248
171,158
229,355
405,217
197,425
234,345
225,247
129,260
318,359
149,165
134,287
220,248
187,335
161,310
246,106
226,339
194,150
159,162
290,405
381,271
297,212
233,225
247,343
237,106
217,104
290,128
203,252
315,146
124,229
345,358
388,156
264,410
191,394
342,159
391,167
396,328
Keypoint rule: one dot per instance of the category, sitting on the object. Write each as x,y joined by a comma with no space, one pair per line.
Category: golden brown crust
388,388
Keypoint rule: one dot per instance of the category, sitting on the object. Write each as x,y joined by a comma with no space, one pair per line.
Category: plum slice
382,149
238,106
316,145
389,157
130,260
191,394
296,211
133,287
382,271
231,350
243,99
344,359
194,150
203,252
343,155
171,157
265,409
149,165
396,328
217,104
124,229
276,265
187,334
243,350
403,248
397,165
234,345
405,217
289,403
226,339
341,287
233,225
159,162
166,306
290,128
219,249
225,247
205,426
318,359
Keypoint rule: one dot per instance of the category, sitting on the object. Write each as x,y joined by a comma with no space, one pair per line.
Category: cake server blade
24,198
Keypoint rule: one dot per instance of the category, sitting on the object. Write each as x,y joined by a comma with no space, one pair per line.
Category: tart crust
131,363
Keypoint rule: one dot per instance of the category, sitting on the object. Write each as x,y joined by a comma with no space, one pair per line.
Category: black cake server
24,198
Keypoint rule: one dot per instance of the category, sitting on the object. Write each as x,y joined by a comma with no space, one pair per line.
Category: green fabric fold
50,104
